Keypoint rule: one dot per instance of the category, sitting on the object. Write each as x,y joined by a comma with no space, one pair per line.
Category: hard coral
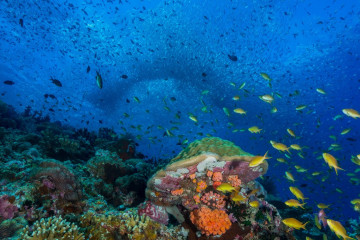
210,222
53,228
127,225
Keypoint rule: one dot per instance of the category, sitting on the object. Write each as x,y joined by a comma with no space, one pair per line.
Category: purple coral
7,209
156,213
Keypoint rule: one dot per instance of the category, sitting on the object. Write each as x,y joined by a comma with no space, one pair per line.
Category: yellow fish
267,98
236,98
274,110
239,111
300,169
225,188
319,90
254,129
316,173
331,161
254,204
355,201
351,113
280,146
291,132
281,160
356,159
237,197
242,85
289,176
294,203
297,193
265,76
296,147
294,223
322,205
338,229
300,107
345,131
193,118
257,160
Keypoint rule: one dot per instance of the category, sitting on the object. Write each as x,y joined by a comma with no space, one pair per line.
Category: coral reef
61,183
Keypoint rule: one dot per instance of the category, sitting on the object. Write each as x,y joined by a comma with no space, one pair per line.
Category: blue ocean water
163,61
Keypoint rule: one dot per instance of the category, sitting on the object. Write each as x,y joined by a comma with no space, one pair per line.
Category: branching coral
127,225
53,228
210,222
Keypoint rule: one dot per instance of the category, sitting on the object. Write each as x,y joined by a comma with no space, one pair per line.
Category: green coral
210,144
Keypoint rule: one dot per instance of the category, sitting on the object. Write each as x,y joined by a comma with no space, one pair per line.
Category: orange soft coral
177,192
201,185
210,222
217,177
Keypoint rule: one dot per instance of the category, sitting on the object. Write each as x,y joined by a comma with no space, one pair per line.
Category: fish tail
336,168
303,226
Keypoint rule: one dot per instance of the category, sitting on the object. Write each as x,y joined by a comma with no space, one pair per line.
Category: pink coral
155,212
7,209
214,200
234,180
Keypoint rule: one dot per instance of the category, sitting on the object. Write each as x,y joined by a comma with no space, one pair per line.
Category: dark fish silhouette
56,82
21,22
124,76
8,82
88,69
233,58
